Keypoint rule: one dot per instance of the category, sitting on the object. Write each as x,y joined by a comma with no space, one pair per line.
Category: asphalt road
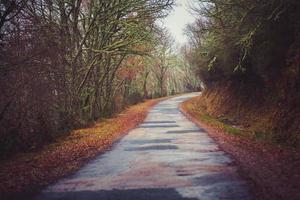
167,157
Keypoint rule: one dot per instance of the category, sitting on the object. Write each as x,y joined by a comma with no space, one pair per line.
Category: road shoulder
271,170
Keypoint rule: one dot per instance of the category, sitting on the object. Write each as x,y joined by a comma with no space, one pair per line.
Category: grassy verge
195,111
271,170
31,171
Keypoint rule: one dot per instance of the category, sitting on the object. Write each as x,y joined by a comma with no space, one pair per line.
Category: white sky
179,17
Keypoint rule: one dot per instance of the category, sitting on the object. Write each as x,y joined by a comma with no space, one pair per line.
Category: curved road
167,157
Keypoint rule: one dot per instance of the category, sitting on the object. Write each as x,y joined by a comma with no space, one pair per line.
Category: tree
60,61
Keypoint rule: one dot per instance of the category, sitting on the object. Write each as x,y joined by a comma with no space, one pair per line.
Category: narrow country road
167,157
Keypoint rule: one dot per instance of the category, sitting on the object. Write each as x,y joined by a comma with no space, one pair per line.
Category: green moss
215,122
231,130
207,118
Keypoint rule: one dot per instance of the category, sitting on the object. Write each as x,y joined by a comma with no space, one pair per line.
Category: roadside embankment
272,170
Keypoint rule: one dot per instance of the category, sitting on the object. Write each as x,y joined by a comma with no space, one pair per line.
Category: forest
247,54
98,99
64,64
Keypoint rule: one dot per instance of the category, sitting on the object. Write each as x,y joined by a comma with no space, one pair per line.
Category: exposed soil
273,171
266,115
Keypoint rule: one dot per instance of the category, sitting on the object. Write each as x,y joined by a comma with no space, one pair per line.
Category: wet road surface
167,157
